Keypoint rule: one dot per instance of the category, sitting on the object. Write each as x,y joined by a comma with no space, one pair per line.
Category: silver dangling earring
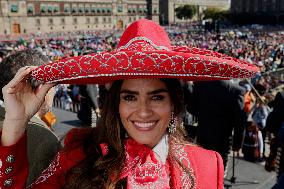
172,125
93,118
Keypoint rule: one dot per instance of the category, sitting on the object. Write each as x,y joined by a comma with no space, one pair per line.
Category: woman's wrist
13,130
15,124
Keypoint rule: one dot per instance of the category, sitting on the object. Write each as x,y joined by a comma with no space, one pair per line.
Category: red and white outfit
144,51
145,168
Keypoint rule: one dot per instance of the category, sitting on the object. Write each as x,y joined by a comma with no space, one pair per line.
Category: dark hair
95,169
12,63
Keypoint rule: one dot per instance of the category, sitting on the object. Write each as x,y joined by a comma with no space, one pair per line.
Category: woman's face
145,109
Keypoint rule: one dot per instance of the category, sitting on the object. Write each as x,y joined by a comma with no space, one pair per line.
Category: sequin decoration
1,174
188,181
141,44
49,171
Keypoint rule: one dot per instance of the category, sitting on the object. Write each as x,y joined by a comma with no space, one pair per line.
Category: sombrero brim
182,62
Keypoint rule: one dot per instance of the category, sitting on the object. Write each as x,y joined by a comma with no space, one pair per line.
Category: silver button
8,182
10,159
8,170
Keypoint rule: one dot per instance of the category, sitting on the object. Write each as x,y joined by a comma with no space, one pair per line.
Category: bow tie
143,168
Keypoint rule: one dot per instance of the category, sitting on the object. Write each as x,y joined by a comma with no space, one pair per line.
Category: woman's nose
144,109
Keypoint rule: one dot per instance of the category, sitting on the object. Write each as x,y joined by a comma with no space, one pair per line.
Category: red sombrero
144,51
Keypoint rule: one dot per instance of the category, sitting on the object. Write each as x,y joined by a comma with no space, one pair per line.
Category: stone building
258,11
31,16
167,8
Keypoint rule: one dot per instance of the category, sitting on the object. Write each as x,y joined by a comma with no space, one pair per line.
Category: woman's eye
158,97
129,97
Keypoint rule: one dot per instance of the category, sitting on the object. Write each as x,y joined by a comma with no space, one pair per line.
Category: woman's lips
144,126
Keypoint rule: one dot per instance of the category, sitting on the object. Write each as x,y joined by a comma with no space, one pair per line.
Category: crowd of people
257,95
63,45
264,48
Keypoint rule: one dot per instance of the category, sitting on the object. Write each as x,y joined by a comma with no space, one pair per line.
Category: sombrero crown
144,35
144,51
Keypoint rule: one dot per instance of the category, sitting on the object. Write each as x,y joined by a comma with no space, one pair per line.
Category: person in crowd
261,86
64,97
249,100
139,141
274,123
275,118
42,142
93,92
280,152
190,122
259,116
75,98
218,106
89,105
253,143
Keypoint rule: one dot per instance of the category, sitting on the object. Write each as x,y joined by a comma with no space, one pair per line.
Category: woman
138,143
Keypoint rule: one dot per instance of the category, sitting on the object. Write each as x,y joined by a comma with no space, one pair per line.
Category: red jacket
206,166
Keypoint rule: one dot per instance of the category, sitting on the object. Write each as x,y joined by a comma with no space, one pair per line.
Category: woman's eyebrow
129,92
148,93
158,91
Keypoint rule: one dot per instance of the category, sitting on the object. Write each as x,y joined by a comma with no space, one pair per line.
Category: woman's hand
21,103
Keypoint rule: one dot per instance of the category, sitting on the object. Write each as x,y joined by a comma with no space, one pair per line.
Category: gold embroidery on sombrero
143,44
142,63
206,52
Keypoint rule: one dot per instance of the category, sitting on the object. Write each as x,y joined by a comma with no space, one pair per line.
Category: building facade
167,8
31,16
258,11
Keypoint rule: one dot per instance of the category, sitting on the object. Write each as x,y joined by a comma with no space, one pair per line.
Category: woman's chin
150,142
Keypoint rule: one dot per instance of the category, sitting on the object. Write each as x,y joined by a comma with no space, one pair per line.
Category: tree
216,14
185,12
